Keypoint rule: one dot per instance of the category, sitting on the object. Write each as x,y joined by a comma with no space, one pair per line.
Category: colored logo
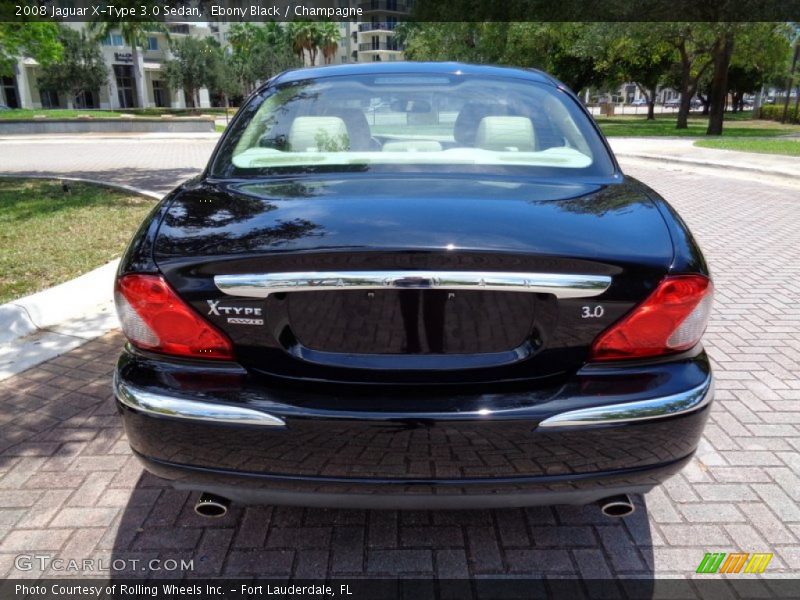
736,562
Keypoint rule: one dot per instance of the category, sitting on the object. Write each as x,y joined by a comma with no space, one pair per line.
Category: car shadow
154,180
561,542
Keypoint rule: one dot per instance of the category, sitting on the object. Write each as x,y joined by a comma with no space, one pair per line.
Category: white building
370,39
23,90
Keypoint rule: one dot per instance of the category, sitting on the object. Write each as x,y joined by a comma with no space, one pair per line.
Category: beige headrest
318,134
505,133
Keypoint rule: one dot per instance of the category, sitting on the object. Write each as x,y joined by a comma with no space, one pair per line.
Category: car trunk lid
441,253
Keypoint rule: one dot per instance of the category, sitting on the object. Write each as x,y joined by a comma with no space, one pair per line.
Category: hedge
774,112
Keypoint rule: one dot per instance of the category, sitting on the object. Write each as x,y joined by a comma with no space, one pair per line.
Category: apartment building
376,30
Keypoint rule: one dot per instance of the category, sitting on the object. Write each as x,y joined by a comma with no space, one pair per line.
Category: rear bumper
250,488
607,431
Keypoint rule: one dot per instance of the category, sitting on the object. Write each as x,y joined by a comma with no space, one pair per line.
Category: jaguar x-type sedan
413,285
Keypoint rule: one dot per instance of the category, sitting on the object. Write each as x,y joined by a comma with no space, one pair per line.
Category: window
160,94
489,124
49,98
85,99
152,43
113,39
124,77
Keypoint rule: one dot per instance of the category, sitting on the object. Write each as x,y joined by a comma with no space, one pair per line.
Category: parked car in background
673,103
456,308
639,102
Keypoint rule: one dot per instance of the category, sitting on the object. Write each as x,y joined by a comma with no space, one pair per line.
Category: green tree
692,43
305,38
135,34
557,48
755,51
81,67
469,42
328,36
39,41
198,63
762,54
257,52
630,52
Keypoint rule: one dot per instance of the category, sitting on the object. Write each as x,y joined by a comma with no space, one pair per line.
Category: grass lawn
789,147
739,125
48,236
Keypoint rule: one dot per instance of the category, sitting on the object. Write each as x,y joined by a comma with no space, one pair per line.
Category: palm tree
329,40
135,35
305,38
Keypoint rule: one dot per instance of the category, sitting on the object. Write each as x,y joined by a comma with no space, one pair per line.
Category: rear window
412,122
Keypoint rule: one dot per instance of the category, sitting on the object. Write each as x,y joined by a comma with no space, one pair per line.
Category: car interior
467,123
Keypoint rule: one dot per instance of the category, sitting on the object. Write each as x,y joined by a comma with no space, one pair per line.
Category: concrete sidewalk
682,151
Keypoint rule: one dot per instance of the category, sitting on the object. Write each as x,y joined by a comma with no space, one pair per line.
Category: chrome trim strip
654,408
261,285
179,408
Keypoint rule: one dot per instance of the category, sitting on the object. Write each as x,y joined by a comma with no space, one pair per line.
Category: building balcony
391,6
381,47
381,26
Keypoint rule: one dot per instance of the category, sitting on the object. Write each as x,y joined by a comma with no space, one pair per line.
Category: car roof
409,67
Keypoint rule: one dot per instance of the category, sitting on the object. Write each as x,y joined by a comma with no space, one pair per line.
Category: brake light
672,319
155,318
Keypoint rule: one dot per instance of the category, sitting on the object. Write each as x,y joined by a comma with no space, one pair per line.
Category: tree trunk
649,97
686,104
723,50
789,83
758,102
686,92
706,104
137,76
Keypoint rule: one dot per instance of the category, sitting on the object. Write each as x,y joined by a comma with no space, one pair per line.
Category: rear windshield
413,122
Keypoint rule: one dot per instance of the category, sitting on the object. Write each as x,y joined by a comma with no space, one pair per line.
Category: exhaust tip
617,506
211,506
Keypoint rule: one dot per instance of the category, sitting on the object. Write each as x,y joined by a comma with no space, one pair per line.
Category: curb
49,138
45,324
708,164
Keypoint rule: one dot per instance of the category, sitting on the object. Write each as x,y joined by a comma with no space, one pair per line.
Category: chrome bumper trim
261,285
192,410
643,410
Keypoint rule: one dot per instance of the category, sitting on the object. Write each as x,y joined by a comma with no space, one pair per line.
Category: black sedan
456,301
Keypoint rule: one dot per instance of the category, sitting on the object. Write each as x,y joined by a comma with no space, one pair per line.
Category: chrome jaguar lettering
215,309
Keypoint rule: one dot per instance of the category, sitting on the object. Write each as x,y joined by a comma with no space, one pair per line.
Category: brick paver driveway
69,486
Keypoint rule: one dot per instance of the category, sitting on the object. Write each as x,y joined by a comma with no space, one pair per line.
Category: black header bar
210,11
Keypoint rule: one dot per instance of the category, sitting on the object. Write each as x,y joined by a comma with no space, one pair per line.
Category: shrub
774,112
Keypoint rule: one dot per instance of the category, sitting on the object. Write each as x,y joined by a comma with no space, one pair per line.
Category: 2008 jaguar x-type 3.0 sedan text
413,285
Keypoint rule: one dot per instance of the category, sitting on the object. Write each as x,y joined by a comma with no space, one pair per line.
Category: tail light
671,319
155,318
